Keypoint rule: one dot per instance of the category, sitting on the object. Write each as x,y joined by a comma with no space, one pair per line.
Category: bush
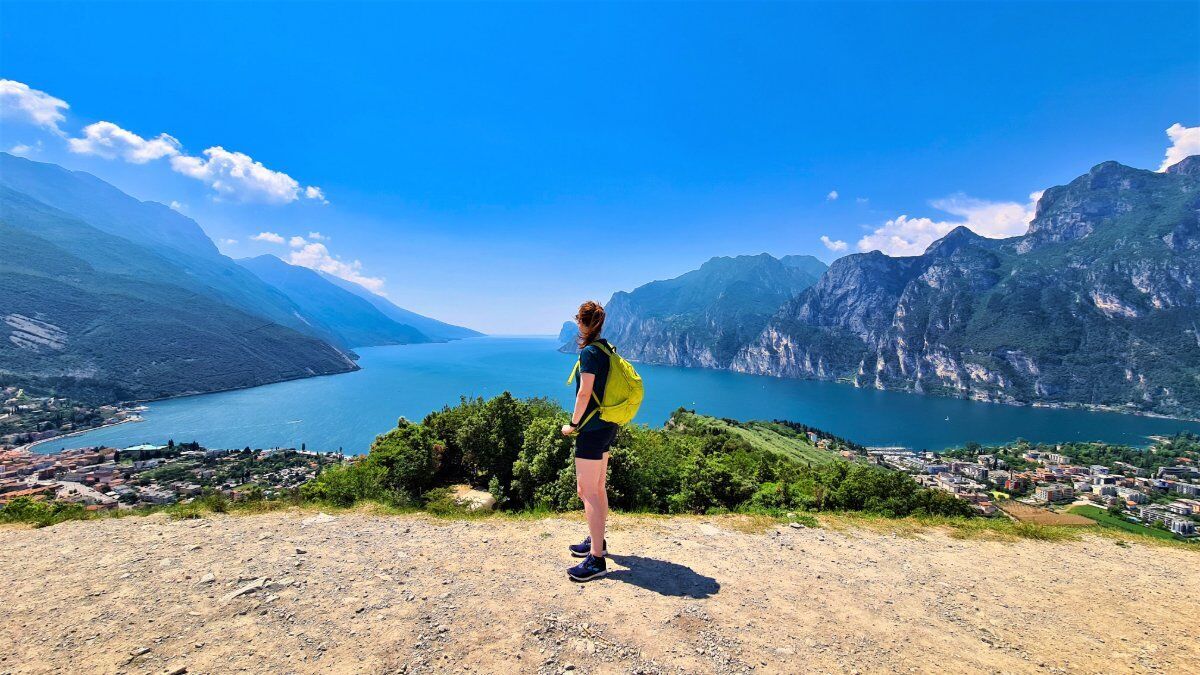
407,458
216,501
514,448
346,484
40,513
545,456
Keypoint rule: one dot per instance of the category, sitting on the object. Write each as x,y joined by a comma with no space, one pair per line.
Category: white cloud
1185,142
229,242
861,200
834,245
297,242
237,175
233,175
317,236
314,255
911,236
24,149
178,206
269,237
111,141
314,192
832,196
19,102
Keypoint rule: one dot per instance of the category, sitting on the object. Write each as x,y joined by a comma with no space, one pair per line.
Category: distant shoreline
30,446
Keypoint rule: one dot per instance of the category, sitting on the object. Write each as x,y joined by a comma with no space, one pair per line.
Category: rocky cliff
1096,305
704,317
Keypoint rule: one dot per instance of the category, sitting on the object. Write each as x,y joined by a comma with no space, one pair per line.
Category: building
1179,508
976,471
1016,484
1053,492
1183,527
1132,496
1189,489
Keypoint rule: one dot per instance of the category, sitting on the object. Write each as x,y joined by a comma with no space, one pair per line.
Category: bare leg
601,506
590,477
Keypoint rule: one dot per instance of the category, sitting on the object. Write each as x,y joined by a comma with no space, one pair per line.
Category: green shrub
406,455
693,465
346,484
41,513
216,501
545,454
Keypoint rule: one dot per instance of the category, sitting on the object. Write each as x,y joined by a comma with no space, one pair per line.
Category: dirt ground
289,592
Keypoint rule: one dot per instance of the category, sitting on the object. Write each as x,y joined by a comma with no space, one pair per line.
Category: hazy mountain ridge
105,297
356,321
437,331
1096,305
100,335
703,317
156,240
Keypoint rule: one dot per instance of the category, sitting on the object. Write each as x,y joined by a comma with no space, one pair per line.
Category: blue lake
347,411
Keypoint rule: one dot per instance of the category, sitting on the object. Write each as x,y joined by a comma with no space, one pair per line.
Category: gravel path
296,593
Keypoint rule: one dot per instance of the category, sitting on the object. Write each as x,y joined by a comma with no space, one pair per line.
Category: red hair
590,320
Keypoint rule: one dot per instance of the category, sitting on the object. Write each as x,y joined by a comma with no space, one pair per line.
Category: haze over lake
347,411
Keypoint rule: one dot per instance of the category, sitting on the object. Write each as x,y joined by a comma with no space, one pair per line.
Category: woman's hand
567,430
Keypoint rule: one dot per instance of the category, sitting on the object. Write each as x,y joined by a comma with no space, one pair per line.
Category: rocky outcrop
1096,305
704,317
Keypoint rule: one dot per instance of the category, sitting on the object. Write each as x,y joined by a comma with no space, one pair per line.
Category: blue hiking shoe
582,549
591,568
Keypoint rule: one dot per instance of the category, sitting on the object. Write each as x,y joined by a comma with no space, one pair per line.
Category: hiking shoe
591,568
582,550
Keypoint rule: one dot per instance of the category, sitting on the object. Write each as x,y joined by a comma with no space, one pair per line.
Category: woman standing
592,442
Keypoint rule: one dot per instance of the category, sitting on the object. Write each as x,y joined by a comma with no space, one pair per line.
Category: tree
406,456
545,455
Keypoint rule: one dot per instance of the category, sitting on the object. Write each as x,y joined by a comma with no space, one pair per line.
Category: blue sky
495,164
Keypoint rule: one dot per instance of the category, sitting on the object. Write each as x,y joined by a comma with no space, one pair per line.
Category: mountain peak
1188,166
953,241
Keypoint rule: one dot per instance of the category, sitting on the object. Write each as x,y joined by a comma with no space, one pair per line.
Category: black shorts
593,444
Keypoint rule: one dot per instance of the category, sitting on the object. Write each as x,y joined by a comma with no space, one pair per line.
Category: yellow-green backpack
623,390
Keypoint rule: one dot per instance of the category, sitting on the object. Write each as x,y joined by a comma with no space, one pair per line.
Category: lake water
347,411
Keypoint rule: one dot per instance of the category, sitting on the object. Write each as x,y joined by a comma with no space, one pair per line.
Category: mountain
354,319
705,316
1098,305
97,317
179,251
437,331
567,335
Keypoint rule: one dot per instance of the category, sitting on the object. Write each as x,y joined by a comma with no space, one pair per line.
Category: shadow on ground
662,577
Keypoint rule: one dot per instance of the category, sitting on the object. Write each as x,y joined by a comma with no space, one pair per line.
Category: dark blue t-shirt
593,360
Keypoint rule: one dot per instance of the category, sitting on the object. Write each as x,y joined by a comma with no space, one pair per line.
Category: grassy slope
769,436
1108,520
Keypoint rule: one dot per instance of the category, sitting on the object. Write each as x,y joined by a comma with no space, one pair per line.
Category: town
104,479
1155,489
26,419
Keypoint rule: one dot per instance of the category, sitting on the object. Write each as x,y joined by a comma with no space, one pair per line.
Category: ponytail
591,320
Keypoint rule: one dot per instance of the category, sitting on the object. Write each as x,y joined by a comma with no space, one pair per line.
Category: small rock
795,526
208,578
248,588
318,519
300,551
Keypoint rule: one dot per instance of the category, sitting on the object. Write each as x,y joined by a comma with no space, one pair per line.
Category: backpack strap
575,372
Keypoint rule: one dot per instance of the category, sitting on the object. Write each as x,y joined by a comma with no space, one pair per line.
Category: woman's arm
586,382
